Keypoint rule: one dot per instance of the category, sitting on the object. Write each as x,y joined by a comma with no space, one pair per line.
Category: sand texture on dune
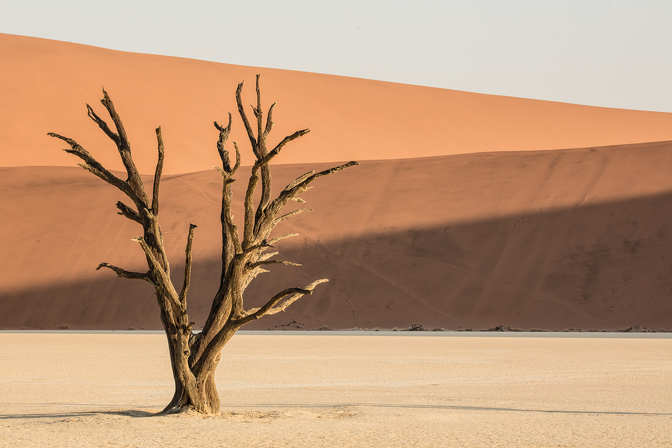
498,227
348,391
46,84
549,239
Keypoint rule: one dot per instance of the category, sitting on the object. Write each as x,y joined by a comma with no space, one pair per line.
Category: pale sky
614,53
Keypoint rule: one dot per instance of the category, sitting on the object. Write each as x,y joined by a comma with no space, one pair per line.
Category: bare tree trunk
179,389
194,357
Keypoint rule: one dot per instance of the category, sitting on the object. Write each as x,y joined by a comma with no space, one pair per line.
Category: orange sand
499,227
46,84
553,239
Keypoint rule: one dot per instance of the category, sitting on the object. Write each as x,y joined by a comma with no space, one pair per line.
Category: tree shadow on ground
73,416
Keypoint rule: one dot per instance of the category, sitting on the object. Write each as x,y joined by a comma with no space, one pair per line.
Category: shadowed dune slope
46,84
554,239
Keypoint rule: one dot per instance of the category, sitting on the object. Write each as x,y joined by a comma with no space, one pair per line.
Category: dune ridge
46,84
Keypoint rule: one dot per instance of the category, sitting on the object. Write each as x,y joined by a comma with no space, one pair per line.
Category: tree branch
263,245
127,274
157,174
299,185
260,120
235,168
230,243
248,230
187,267
128,212
230,225
279,238
265,262
298,180
93,166
270,306
101,123
223,137
290,214
281,145
251,274
261,153
327,172
228,175
109,105
246,122
233,232
153,262
269,121
123,145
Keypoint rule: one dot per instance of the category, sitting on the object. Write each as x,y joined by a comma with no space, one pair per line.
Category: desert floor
440,390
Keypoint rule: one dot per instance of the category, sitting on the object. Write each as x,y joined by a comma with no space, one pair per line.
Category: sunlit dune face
50,82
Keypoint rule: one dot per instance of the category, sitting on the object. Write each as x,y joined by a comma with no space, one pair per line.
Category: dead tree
194,356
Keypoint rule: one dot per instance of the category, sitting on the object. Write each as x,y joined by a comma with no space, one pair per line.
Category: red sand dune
496,228
554,239
46,83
